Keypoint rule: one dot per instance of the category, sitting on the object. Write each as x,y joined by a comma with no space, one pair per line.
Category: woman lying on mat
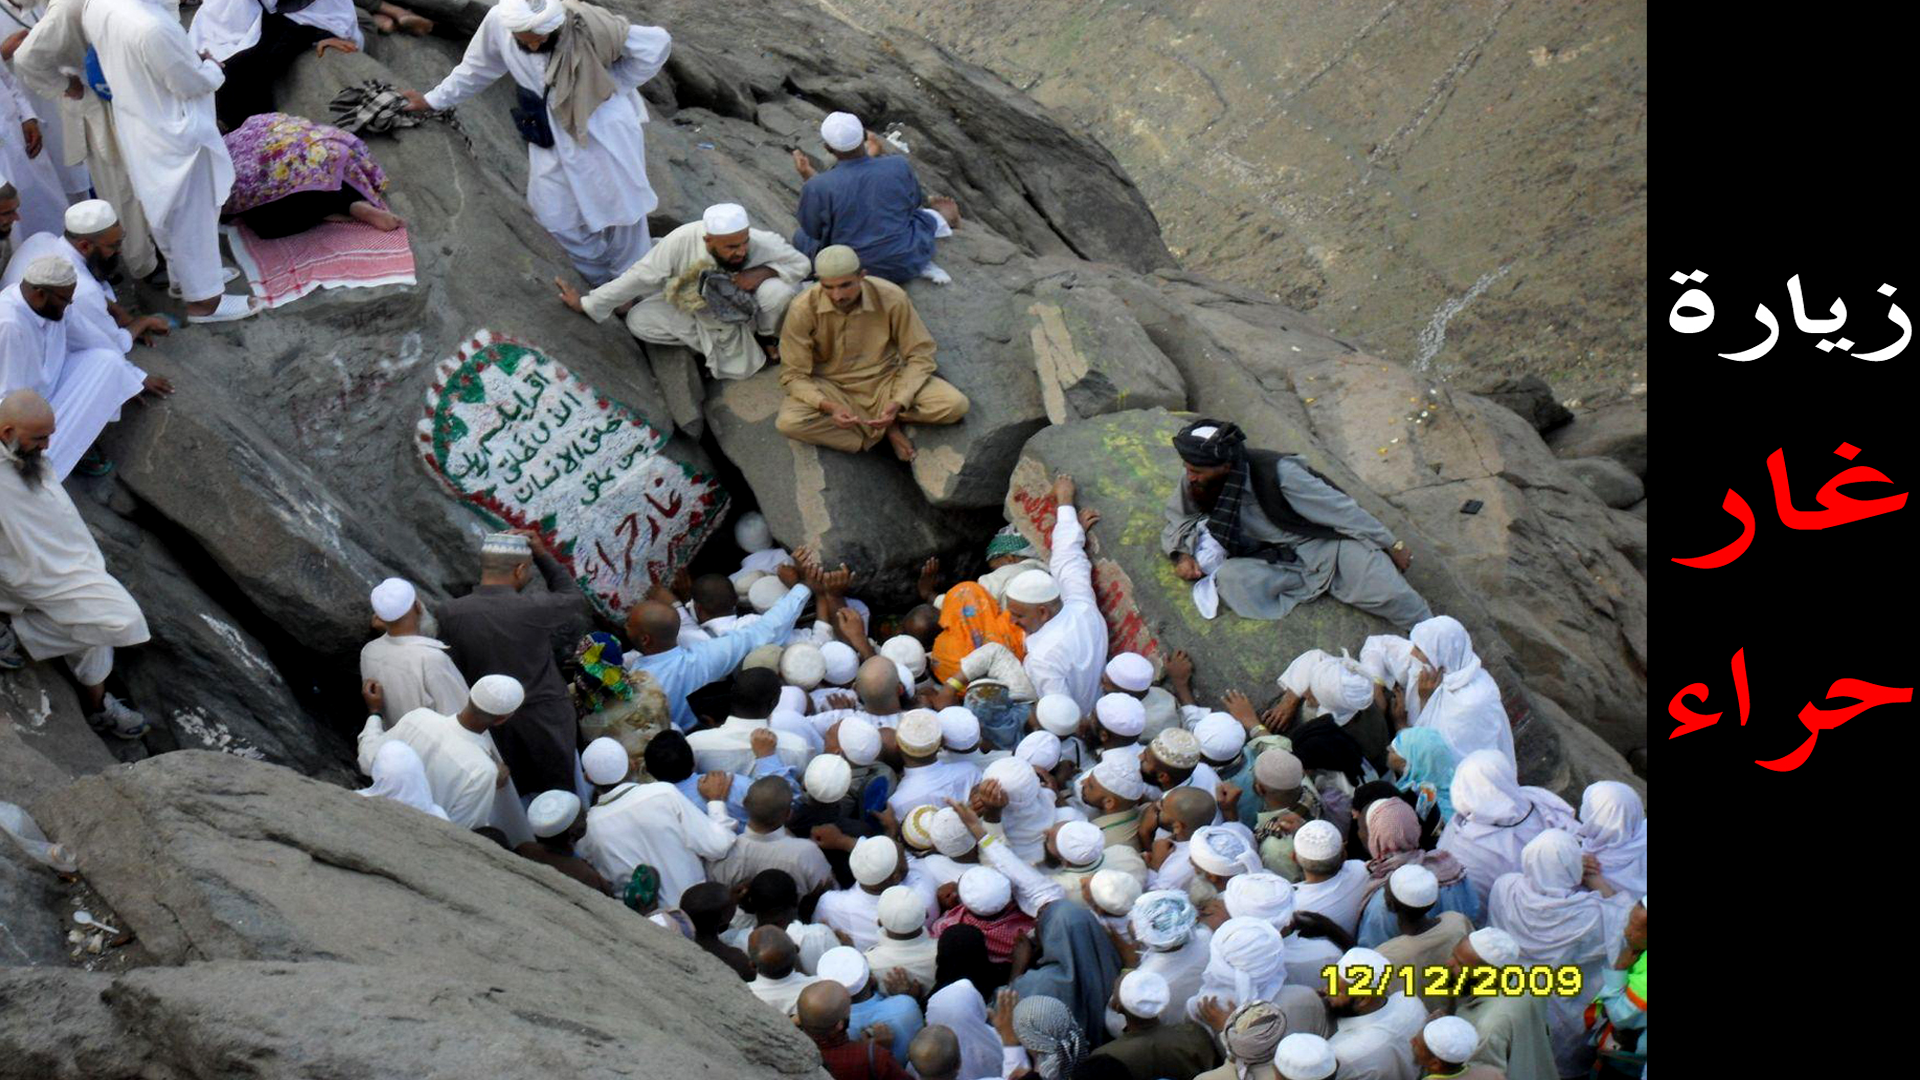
290,174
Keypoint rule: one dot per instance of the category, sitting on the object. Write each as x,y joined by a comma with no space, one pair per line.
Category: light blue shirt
737,786
899,1012
1377,924
685,668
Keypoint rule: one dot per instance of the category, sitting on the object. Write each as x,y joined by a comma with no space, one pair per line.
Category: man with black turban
1272,532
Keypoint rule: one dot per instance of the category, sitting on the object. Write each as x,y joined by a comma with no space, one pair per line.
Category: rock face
298,929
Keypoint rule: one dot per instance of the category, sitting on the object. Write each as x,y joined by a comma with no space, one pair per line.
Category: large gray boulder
295,928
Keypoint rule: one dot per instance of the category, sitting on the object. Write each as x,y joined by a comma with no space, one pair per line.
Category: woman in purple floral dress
290,174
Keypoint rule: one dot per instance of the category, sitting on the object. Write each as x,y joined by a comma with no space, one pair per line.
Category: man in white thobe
412,667
59,115
48,64
163,108
24,160
94,242
464,770
924,779
655,824
54,585
1066,634
86,384
589,189
675,311
254,42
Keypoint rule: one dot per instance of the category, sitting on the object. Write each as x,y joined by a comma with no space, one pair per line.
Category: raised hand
929,584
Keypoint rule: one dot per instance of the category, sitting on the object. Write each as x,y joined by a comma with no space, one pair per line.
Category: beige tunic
880,352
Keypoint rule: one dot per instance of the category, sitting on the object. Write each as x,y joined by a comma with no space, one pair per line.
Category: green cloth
1637,980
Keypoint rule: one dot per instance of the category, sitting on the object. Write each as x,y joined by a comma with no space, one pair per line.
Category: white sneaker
116,717
936,275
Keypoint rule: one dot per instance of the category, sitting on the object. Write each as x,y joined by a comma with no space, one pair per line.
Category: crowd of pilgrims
981,848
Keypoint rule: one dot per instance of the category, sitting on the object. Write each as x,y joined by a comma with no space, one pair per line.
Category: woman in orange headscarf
969,618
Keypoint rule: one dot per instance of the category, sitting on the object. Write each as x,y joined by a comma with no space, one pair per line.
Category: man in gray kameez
1274,533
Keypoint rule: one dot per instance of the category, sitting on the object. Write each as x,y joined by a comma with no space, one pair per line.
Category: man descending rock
411,666
1288,534
54,586
67,361
857,363
715,285
163,112
871,202
577,67
464,770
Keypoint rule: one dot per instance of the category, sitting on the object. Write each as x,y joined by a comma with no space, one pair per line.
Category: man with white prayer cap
1066,634
1175,943
1128,673
1112,791
764,594
842,663
1057,715
1332,884
1221,738
1423,941
464,770
802,666
411,667
66,356
1110,894
1219,852
1172,761
1269,896
558,821
987,904
1279,788
898,1013
1028,810
878,864
92,240
1119,719
903,942
1041,749
1374,1020
54,584
653,823
954,847
1147,1045
578,67
827,778
1444,1047
960,738
1512,1028
871,202
1301,1056
1079,850
907,652
923,777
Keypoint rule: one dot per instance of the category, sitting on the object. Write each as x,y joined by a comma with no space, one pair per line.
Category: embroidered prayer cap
750,532
506,543
1414,886
1177,748
1119,773
90,217
50,271
497,695
1219,850
1317,840
1058,714
802,665
1144,993
1304,1056
914,828
765,593
859,740
835,261
553,812
1034,587
842,131
1162,919
842,662
1040,748
1114,891
985,891
907,652
1081,844
1016,778
918,732
874,859
392,599
605,762
724,219
1121,714
1010,541
844,965
1450,1039
951,837
1131,671
531,16
1278,770
1494,946
1221,737
902,911
1370,959
1207,443
1261,895
828,777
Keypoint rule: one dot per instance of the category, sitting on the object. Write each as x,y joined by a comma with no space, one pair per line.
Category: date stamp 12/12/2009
1440,980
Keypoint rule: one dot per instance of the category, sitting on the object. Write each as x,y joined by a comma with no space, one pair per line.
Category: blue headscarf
1429,772
1077,966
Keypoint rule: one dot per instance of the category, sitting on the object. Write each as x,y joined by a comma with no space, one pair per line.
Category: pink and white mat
333,255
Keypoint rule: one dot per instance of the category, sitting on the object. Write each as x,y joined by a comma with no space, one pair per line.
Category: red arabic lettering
1840,509
1865,694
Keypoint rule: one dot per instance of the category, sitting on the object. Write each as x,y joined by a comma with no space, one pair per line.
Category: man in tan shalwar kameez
857,363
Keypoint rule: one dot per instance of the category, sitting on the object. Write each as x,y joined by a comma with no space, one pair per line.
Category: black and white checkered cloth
379,107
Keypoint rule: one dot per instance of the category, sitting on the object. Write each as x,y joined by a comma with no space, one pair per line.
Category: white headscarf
1550,917
959,1006
1247,962
531,16
1494,817
1613,829
400,775
1465,708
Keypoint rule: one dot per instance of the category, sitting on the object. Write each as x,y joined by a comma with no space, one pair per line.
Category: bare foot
803,165
383,23
902,446
417,25
384,220
946,208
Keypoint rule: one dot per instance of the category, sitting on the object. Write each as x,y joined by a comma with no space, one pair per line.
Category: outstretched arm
479,68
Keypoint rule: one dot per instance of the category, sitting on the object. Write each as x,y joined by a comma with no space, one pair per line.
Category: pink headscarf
1393,839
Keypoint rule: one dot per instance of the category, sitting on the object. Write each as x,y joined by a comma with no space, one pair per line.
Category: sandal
227,274
231,309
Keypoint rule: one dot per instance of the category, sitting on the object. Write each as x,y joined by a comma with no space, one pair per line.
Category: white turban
793,700
1081,843
723,219
1130,671
90,217
1119,773
1114,891
1494,946
604,761
918,732
552,812
1301,1056
914,827
1317,840
842,662
1058,714
1162,919
1340,687
1031,587
874,859
842,131
1177,748
1015,777
1384,658
1221,737
497,695
959,728
802,665
828,777
52,271
1450,1039
530,16
1121,714
1365,958
1414,886
1249,953
1278,770
951,836
902,911
844,965
751,532
859,741
1296,677
1040,748
985,891
1262,895
907,652
1222,851
1144,994
765,593
392,598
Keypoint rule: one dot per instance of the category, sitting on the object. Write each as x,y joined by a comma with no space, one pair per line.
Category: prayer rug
332,254
529,445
